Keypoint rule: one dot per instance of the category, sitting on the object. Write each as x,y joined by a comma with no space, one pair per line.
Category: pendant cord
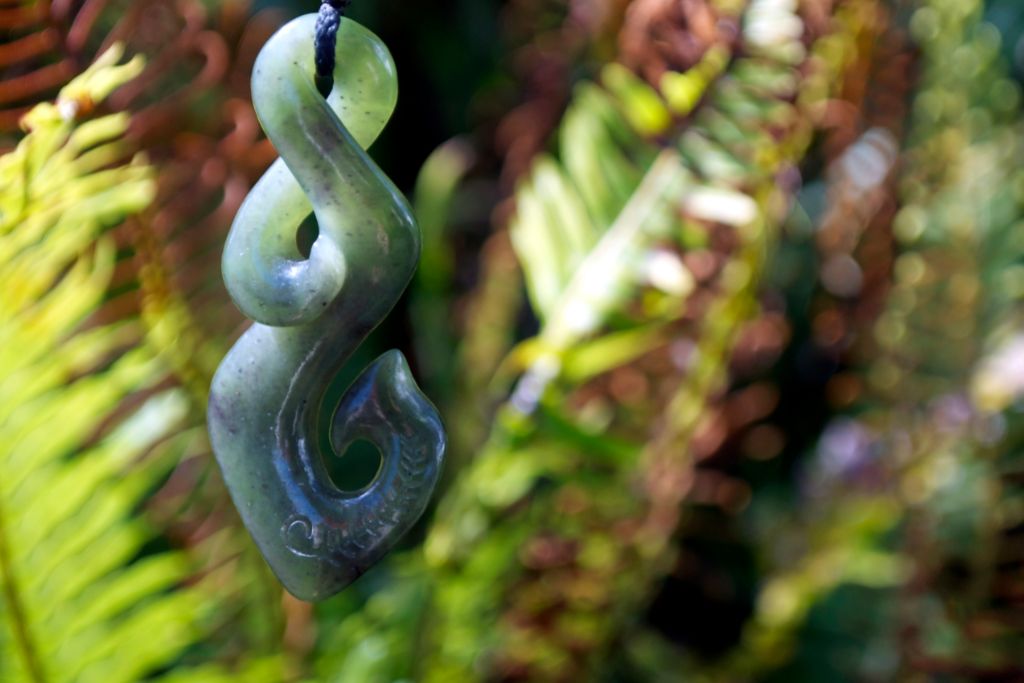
325,36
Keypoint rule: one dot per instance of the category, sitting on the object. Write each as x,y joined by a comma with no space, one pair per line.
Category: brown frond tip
670,35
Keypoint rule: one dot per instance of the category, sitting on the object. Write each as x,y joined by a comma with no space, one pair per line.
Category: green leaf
84,437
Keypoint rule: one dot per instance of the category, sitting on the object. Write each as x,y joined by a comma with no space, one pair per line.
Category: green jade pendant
267,409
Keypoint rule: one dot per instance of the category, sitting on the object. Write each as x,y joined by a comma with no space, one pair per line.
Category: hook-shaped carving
266,403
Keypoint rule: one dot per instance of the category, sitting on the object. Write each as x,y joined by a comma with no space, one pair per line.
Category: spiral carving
267,402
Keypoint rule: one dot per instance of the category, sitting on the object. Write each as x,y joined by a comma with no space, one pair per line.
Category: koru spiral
267,403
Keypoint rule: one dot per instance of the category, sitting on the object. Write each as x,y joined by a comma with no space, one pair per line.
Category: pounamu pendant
266,411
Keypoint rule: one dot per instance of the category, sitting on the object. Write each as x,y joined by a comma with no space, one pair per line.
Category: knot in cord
325,36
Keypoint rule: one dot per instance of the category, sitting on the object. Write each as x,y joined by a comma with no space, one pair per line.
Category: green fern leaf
82,598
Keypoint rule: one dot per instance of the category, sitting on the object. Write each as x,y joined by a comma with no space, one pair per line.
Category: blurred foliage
720,300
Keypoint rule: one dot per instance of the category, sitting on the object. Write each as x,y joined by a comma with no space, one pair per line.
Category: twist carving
267,400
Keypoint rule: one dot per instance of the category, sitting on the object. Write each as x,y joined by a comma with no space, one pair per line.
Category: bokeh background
720,300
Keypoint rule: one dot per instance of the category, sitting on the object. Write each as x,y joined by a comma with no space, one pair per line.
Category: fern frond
83,597
198,58
188,113
597,433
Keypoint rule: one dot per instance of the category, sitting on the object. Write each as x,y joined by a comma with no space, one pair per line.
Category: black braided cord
325,36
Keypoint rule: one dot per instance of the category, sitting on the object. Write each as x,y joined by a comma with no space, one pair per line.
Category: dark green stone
266,403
